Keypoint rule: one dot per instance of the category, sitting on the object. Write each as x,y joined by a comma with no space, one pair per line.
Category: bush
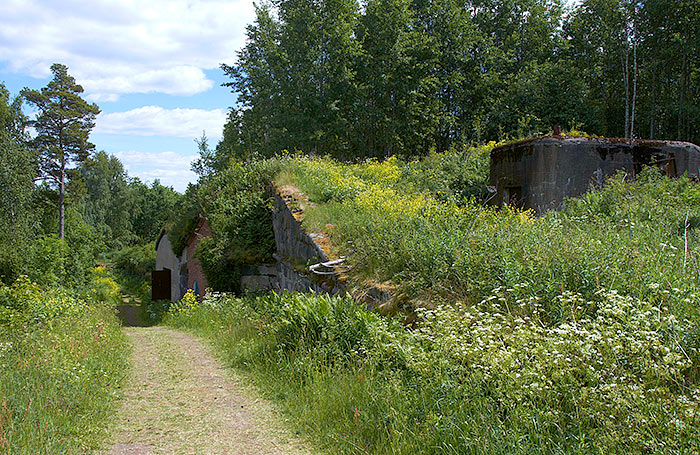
614,375
137,260
239,210
104,287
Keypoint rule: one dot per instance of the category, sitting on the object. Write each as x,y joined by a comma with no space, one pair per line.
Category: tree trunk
653,107
680,97
61,198
634,88
626,80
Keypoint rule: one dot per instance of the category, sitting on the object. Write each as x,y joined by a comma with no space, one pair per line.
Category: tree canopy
63,123
406,76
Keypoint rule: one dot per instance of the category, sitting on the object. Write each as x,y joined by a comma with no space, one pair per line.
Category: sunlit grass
60,370
494,378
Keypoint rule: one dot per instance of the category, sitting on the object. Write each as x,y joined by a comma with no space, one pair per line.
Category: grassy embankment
63,359
574,332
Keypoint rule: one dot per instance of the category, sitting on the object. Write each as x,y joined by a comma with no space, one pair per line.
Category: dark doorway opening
160,289
513,196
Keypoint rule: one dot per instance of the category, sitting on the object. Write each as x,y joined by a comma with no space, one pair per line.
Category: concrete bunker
540,173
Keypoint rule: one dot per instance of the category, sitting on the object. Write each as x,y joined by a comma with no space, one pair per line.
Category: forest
567,332
399,77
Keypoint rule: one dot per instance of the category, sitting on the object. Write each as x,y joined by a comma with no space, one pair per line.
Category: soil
179,400
130,311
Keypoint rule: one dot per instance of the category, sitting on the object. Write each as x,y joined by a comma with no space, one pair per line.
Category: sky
152,66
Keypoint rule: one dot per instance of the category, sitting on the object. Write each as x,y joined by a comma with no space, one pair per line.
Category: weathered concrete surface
291,240
166,259
540,173
295,251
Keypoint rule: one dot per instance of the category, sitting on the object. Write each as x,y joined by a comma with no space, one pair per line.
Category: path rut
179,400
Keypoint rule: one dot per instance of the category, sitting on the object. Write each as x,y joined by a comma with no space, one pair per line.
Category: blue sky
151,66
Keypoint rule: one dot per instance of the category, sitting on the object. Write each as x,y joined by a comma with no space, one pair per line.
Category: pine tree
63,123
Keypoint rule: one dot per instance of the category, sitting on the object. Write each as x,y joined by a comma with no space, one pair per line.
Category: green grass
63,359
406,223
572,332
480,380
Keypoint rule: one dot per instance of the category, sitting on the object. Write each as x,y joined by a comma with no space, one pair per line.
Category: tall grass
62,361
490,378
436,243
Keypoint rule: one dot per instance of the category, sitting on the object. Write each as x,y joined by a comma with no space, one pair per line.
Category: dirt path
130,311
180,401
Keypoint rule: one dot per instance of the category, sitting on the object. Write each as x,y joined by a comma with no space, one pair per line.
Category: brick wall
194,267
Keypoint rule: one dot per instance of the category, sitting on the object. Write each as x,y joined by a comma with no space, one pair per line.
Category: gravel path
180,401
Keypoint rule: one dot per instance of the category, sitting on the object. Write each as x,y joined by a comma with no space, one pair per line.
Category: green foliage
108,207
51,261
615,374
457,175
17,172
104,288
63,358
63,125
47,263
137,260
237,204
296,79
396,77
183,220
151,207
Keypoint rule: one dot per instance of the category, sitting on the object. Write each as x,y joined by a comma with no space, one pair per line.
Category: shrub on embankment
612,375
406,223
237,203
62,360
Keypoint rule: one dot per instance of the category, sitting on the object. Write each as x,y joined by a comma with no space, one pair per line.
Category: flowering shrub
614,374
104,287
187,304
25,302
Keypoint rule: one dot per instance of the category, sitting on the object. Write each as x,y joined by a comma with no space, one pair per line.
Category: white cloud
157,121
172,169
114,47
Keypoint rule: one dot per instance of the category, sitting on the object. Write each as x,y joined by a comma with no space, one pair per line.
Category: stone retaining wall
292,242
296,251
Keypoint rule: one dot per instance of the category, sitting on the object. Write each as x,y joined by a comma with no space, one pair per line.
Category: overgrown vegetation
237,204
403,222
612,375
571,332
63,358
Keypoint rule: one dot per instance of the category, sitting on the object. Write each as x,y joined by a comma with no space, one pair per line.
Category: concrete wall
291,240
539,173
296,250
166,259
